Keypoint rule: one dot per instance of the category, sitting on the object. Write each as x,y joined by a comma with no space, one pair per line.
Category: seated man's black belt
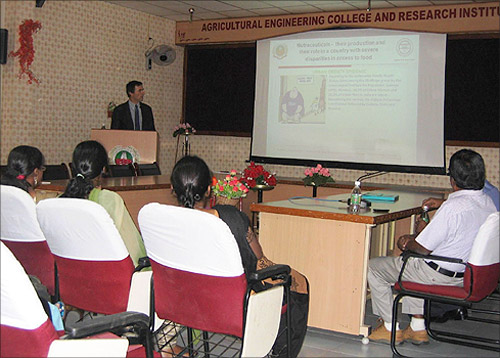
444,271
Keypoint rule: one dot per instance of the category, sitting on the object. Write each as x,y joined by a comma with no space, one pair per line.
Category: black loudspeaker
3,45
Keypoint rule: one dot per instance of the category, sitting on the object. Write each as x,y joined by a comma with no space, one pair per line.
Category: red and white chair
199,281
482,274
96,273
26,331
21,232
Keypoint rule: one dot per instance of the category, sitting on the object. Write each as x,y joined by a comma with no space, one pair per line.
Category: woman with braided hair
25,167
90,161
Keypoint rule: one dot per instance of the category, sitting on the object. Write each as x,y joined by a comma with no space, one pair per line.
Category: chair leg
288,320
463,340
149,343
395,309
206,345
190,341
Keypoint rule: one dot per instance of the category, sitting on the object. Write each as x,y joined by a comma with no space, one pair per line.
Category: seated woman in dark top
25,167
191,179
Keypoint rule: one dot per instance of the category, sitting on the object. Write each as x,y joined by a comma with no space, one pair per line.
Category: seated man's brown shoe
415,337
381,334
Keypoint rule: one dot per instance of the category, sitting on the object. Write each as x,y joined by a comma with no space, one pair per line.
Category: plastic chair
21,232
199,282
482,272
56,172
26,331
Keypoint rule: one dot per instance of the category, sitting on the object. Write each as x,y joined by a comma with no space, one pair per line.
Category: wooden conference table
331,248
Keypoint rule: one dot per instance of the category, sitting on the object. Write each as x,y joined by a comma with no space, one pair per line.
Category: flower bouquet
255,176
317,176
229,190
183,128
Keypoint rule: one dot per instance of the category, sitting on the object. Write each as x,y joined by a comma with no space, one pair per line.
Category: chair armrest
274,272
105,324
142,263
408,254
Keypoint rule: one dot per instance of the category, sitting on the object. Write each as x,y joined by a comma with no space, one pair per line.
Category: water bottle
425,214
355,204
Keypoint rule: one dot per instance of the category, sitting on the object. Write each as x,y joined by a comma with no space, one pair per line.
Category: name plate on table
381,197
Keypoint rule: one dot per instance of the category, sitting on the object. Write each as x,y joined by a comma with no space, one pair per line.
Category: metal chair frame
439,335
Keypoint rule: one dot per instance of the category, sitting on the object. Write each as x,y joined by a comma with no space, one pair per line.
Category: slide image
302,99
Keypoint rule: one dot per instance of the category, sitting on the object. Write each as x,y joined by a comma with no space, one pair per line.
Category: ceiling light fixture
369,5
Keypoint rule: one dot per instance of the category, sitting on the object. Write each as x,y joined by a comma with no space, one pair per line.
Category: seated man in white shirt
451,233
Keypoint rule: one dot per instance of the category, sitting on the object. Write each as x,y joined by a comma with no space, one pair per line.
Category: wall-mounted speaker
3,45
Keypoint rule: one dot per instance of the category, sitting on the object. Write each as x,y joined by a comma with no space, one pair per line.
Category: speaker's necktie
137,123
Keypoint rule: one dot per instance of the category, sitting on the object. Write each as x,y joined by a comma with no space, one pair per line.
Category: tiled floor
321,343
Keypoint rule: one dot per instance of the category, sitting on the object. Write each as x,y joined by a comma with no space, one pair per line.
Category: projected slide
356,96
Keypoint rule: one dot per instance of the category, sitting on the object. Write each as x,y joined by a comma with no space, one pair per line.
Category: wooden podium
145,142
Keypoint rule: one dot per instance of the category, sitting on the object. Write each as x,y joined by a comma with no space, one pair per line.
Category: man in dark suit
133,114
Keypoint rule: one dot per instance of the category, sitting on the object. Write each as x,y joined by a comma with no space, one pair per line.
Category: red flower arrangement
26,51
256,175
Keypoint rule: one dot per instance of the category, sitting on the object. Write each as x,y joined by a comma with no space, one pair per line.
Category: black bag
43,294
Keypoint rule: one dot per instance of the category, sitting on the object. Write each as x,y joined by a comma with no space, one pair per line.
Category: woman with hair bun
191,180
25,167
90,161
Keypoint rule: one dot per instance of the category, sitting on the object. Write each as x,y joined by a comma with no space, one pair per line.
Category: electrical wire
294,200
370,175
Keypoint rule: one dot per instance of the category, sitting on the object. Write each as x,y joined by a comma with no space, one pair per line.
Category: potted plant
230,190
317,176
186,130
256,177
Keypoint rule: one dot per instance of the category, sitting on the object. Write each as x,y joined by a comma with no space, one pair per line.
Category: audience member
25,167
492,191
90,160
489,189
451,233
191,180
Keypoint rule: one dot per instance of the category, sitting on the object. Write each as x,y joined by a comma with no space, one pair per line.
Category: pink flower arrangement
317,176
230,187
183,128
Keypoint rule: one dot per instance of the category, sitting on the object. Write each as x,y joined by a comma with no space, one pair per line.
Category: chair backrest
56,172
484,260
94,266
197,270
117,171
149,169
26,331
21,232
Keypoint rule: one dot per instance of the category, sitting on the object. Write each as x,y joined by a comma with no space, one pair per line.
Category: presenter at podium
133,114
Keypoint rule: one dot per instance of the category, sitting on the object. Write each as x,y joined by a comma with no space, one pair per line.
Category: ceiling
214,9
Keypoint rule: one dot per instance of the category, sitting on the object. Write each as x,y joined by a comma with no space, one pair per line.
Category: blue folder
381,197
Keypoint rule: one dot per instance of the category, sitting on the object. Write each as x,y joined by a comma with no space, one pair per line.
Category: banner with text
467,18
